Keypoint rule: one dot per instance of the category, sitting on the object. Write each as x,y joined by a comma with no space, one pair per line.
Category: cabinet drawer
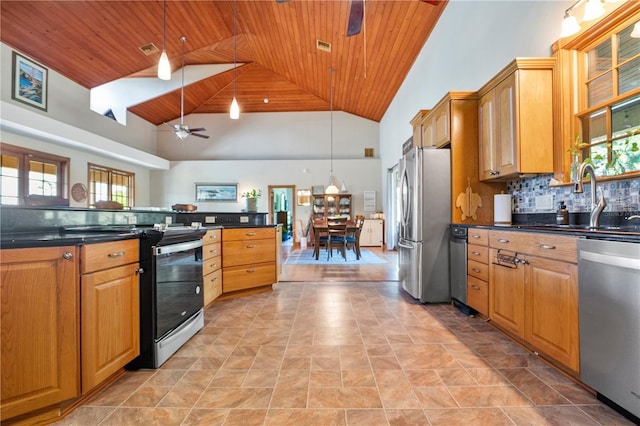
211,250
478,295
212,236
478,253
478,236
478,270
244,277
211,264
212,286
247,252
96,257
248,234
558,247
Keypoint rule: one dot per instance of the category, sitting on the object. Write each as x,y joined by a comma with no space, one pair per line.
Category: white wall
269,136
178,184
472,42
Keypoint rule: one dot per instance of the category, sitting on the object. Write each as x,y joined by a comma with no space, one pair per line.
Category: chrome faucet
635,216
596,206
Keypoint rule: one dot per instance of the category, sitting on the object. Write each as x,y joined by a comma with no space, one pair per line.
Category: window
106,184
611,119
32,177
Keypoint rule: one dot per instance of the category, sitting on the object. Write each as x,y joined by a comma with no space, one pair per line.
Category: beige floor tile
366,417
235,398
309,417
467,416
406,417
344,398
488,396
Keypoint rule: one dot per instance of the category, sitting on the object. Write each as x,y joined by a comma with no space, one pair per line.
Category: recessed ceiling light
266,100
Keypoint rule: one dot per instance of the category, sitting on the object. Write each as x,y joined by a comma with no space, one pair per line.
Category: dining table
320,228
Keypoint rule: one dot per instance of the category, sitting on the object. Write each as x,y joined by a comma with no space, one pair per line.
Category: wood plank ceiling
95,42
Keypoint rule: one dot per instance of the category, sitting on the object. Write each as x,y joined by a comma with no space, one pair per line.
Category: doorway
282,209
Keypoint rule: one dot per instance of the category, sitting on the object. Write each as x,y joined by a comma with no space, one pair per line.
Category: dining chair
320,238
353,236
337,236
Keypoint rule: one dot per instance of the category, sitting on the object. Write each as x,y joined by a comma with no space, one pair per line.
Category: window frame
25,155
131,188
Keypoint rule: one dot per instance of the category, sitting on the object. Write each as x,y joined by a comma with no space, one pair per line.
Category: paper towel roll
502,209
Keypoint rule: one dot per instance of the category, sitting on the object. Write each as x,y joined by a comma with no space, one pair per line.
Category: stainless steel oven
171,296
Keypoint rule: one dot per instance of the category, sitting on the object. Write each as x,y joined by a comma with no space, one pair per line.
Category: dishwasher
458,268
609,305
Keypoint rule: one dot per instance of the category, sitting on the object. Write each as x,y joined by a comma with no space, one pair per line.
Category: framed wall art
29,82
217,192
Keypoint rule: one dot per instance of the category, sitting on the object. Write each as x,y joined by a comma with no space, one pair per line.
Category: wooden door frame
272,214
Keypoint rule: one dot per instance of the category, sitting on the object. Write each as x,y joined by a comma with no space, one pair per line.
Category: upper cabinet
515,120
328,205
416,122
432,128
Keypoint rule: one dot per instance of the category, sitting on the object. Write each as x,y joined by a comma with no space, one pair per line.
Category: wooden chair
353,236
319,238
337,236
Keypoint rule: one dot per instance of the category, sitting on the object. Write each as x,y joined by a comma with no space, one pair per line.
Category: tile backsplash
620,195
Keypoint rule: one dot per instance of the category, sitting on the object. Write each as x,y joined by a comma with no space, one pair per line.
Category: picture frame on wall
29,82
317,190
226,192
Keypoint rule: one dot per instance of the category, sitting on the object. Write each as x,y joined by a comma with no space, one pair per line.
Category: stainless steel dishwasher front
609,304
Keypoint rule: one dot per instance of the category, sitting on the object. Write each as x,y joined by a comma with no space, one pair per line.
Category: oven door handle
174,248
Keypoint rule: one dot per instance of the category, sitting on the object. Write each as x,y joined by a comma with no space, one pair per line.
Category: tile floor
344,353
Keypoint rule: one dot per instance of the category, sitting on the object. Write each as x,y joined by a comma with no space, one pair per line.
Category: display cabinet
328,205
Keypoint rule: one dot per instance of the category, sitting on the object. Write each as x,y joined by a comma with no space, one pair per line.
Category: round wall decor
79,192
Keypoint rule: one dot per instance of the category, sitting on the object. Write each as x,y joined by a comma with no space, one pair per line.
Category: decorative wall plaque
78,192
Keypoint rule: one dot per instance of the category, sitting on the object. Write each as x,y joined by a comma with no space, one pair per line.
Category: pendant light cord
164,28
182,39
331,114
235,46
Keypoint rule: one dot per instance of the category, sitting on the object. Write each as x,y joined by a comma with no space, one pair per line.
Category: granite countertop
628,233
51,238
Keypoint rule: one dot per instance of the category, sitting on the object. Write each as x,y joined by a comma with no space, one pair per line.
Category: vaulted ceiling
95,42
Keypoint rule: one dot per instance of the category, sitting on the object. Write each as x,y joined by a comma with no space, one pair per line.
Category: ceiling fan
356,15
181,130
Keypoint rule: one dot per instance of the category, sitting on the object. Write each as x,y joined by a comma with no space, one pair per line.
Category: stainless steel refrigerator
425,185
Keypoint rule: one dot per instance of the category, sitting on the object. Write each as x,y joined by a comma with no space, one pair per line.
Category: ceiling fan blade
281,1
431,2
199,129
200,136
356,13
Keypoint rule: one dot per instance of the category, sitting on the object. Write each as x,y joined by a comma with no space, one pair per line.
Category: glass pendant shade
569,26
234,112
164,67
592,10
332,188
636,31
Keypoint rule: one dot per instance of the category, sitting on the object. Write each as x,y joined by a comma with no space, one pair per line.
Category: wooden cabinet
328,205
417,123
110,309
537,298
40,341
516,120
248,258
212,265
478,270
372,233
454,120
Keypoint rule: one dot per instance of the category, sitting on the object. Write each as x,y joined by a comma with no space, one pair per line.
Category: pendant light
332,188
164,66
635,33
234,112
592,10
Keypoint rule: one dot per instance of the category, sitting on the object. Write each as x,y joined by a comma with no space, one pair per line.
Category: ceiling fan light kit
164,66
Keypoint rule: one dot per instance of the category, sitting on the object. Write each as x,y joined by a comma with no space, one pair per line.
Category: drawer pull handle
251,270
116,254
67,255
475,236
250,234
475,287
503,241
476,270
475,253
214,279
547,247
214,251
251,246
213,265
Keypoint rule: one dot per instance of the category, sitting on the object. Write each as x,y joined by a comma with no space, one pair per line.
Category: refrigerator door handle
403,245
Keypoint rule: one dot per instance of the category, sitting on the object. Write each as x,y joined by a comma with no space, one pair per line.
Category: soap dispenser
562,215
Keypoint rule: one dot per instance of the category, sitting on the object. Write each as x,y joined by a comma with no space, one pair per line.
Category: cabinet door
39,325
487,145
552,309
428,130
441,125
110,319
507,121
506,296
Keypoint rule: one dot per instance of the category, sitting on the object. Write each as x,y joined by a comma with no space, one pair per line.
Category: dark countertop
51,238
626,233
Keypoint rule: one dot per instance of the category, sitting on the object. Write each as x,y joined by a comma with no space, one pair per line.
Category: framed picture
217,192
29,82
304,197
317,190
369,201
